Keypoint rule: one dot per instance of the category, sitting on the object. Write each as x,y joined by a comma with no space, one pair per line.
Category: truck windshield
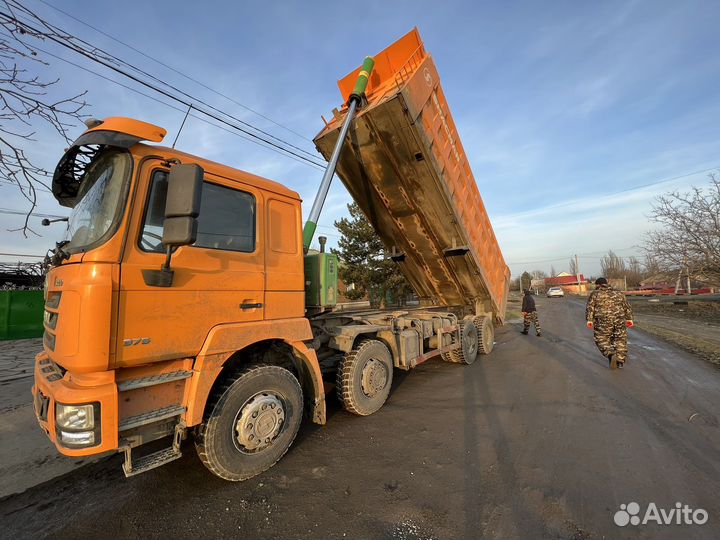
96,213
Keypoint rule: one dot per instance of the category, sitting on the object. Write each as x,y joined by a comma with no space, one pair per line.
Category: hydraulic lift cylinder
353,103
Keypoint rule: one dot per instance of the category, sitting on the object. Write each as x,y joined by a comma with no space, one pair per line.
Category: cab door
219,279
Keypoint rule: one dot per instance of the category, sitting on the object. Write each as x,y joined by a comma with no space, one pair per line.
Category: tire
467,353
364,377
448,356
485,334
269,393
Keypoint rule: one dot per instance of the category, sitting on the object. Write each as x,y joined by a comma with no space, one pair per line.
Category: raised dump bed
404,165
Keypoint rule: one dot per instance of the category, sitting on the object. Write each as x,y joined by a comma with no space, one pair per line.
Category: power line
71,39
716,167
176,71
148,96
9,183
68,41
19,213
22,255
606,195
590,255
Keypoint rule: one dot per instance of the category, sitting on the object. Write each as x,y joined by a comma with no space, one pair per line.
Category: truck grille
50,318
53,300
49,341
42,403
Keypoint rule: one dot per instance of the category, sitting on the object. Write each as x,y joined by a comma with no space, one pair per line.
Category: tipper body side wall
406,168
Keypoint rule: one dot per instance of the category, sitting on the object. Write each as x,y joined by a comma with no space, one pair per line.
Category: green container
21,314
321,279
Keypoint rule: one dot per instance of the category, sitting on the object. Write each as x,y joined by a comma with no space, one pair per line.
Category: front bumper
52,386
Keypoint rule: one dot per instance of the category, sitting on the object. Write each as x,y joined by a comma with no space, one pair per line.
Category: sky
574,114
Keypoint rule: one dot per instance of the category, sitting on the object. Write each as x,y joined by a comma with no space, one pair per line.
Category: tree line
684,244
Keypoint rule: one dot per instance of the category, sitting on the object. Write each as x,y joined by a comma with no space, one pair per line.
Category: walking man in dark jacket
530,313
609,315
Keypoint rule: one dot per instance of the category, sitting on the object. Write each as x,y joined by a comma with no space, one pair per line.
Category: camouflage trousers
531,317
611,338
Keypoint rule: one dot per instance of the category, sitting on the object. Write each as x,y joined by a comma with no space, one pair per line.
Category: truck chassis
357,350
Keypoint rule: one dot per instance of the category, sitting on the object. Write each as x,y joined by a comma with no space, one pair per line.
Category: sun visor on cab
113,132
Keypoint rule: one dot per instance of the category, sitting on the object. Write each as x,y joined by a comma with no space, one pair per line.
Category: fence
21,314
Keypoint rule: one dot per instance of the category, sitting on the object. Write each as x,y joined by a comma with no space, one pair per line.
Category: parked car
555,292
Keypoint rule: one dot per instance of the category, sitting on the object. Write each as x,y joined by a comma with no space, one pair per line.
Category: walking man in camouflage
609,315
530,313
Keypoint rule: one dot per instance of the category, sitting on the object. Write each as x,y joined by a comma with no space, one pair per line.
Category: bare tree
538,274
612,266
24,101
553,272
651,266
573,267
634,272
689,236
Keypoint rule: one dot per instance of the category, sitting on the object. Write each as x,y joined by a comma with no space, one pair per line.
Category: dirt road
540,439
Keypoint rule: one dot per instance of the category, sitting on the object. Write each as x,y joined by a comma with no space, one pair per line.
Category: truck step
151,461
142,382
150,417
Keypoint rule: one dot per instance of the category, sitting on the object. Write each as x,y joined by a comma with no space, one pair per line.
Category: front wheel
250,422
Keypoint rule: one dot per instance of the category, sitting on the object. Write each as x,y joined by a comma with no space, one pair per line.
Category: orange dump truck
182,301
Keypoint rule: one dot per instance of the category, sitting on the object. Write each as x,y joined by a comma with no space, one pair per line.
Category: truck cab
129,358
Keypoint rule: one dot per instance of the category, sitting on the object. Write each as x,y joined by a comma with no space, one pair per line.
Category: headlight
81,438
78,426
75,417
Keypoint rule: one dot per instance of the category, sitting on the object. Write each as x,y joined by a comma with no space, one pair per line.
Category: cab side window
227,218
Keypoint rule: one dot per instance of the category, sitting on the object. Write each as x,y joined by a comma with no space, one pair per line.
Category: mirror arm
168,255
162,277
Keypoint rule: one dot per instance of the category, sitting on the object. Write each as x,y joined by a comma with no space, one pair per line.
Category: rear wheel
364,377
467,353
485,333
250,422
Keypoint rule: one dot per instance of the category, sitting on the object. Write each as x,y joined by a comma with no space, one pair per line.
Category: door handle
250,306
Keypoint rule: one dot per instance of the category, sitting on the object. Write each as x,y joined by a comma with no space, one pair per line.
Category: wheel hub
471,344
374,377
259,421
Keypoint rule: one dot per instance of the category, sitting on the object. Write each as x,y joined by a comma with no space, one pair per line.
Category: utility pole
577,272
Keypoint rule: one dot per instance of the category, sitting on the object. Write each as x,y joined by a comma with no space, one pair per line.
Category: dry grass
705,349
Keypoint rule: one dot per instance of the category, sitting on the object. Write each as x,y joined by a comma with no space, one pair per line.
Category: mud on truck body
184,301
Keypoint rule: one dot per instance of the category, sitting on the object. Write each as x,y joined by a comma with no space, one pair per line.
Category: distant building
658,281
537,284
568,282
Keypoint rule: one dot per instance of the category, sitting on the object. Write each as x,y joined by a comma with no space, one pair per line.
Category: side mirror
182,206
